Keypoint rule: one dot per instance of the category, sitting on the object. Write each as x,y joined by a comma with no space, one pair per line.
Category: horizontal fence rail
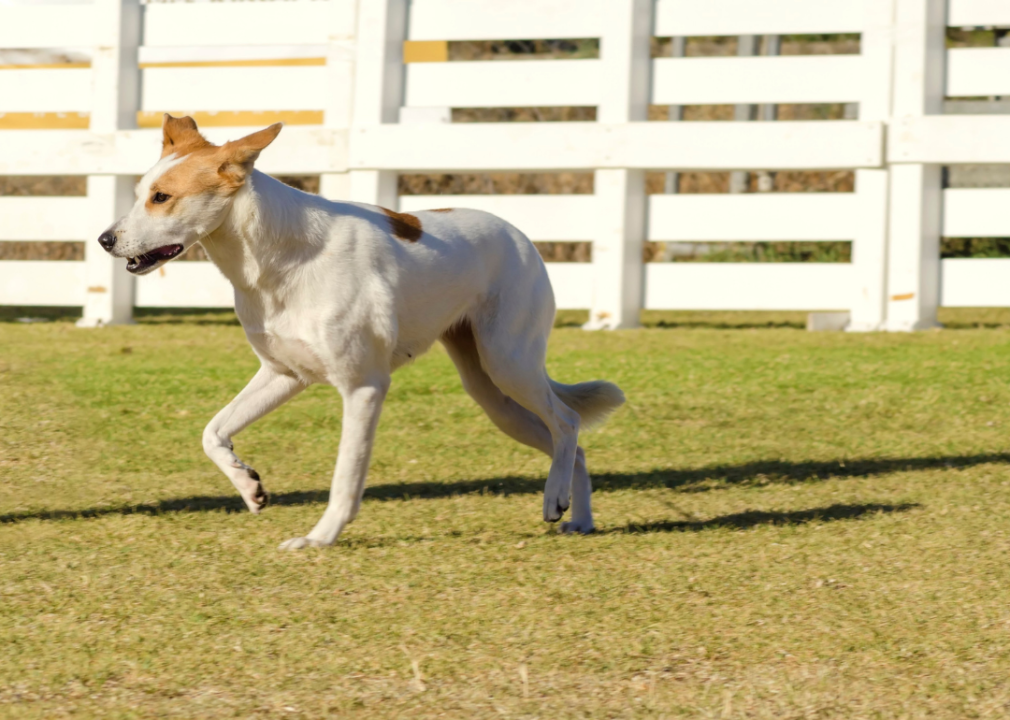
367,94
567,146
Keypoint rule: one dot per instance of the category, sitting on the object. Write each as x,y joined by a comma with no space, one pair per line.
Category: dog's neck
269,228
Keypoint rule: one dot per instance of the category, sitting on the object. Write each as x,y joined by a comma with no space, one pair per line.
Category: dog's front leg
267,391
362,406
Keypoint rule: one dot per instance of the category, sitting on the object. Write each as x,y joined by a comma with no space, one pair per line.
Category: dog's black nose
107,240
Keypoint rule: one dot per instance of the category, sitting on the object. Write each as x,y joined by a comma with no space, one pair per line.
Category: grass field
791,525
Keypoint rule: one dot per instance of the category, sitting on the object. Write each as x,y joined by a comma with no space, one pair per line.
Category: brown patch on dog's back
442,210
404,226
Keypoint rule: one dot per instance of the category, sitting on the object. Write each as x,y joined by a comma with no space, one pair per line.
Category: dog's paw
556,501
250,487
578,527
257,500
255,495
300,542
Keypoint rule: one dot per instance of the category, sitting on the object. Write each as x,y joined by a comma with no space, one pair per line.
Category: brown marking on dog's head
205,167
181,136
441,210
404,226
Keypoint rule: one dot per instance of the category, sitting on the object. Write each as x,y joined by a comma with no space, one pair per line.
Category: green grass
791,525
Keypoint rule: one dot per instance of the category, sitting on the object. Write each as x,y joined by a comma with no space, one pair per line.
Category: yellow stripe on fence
239,118
263,62
44,121
47,66
421,51
259,62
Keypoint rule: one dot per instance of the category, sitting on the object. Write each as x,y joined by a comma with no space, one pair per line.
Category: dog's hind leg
362,405
267,391
516,421
512,350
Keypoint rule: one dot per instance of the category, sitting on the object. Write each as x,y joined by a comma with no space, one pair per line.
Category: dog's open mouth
143,263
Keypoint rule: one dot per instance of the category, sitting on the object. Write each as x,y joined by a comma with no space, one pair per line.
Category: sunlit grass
791,525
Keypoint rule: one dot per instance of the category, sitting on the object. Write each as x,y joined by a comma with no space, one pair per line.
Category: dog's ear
180,136
239,155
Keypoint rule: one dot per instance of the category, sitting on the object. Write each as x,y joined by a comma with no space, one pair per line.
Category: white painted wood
30,26
44,218
920,42
379,71
185,284
963,13
790,79
976,212
869,251
755,286
946,139
45,90
973,72
413,115
913,280
648,145
341,50
378,89
244,23
877,52
753,217
519,83
909,31
58,283
572,284
234,88
975,282
868,311
550,218
625,64
497,20
377,187
749,17
298,150
108,298
620,191
224,53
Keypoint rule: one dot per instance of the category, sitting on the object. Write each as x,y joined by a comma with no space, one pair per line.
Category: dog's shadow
691,480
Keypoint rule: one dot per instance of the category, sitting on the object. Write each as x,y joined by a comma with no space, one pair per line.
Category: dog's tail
593,400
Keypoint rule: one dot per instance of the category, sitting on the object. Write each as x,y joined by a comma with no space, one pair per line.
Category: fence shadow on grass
763,472
754,518
693,480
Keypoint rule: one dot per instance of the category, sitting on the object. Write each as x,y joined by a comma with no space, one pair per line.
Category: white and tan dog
345,293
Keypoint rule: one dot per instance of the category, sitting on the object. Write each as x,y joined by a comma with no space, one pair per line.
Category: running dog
345,293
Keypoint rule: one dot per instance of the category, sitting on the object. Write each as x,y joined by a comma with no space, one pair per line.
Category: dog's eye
159,198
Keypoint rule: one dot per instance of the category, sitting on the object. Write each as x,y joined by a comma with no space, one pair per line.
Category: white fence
339,64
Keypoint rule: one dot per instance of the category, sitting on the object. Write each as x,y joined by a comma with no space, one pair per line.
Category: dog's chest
293,354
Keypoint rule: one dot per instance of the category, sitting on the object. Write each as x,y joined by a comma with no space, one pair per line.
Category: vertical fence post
620,193
340,49
869,247
913,277
378,88
678,47
746,46
109,289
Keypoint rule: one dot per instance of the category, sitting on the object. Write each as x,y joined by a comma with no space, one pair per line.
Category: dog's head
185,196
